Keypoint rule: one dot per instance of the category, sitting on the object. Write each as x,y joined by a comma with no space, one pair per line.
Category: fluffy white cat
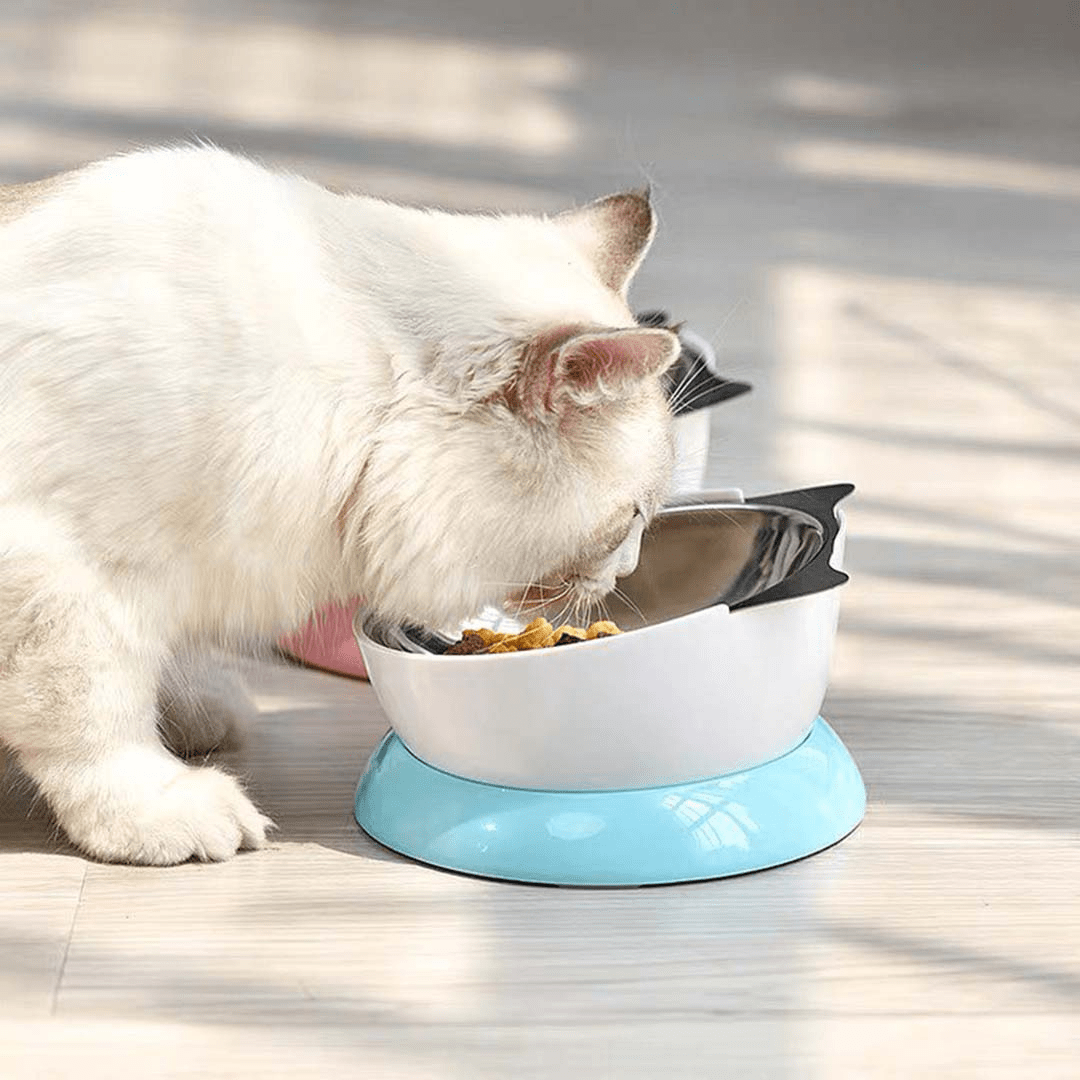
228,396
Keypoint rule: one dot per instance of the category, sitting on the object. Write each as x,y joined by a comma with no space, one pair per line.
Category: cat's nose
629,550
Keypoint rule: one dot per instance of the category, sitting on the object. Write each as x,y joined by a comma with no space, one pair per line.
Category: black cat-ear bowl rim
819,503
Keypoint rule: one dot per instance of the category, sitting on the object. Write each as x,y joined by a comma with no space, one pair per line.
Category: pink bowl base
326,642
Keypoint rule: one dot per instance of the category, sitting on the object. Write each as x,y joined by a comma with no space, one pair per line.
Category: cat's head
527,451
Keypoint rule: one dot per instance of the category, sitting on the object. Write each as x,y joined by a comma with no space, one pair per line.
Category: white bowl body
700,696
697,696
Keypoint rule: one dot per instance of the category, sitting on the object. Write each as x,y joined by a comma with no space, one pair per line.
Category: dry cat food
539,634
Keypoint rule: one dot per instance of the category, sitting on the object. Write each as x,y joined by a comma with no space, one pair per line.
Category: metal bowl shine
730,618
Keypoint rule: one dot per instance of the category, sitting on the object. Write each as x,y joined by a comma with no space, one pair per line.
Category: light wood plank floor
879,230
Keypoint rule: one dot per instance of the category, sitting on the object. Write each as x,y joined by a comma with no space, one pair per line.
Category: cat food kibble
539,634
471,642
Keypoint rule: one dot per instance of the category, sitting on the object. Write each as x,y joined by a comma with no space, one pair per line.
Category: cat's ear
614,233
594,367
590,368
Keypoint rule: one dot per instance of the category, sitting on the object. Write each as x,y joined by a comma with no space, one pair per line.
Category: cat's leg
78,683
203,705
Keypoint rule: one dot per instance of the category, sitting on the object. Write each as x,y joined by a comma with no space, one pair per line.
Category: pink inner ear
598,358
617,358
572,358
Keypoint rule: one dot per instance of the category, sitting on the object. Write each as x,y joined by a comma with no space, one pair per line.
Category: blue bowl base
775,813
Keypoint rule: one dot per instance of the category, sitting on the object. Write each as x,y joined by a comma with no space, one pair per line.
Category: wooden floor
875,220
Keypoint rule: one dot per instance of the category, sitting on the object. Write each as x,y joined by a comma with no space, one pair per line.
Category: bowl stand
776,812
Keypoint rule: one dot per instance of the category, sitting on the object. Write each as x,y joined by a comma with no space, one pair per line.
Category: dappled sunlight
359,111
884,163
424,188
265,74
963,557
926,936
423,958
813,93
286,703
869,352
903,633
110,1045
36,153
25,146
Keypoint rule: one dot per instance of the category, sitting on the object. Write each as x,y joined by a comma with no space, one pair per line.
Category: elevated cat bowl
689,747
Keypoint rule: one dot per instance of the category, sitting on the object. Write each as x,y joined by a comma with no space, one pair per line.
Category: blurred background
872,210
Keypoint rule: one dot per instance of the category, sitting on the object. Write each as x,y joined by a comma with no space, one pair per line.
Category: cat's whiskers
687,403
563,615
712,337
730,315
582,606
540,605
523,598
566,613
603,610
673,396
621,595
545,594
544,604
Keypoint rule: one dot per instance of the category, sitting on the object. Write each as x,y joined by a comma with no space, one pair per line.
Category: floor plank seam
67,944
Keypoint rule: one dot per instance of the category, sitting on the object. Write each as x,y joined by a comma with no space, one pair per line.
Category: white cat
228,396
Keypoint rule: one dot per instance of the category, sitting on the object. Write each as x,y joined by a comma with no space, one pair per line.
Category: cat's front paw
163,816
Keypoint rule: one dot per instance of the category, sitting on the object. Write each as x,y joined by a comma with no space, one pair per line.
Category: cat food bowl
726,669
592,758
